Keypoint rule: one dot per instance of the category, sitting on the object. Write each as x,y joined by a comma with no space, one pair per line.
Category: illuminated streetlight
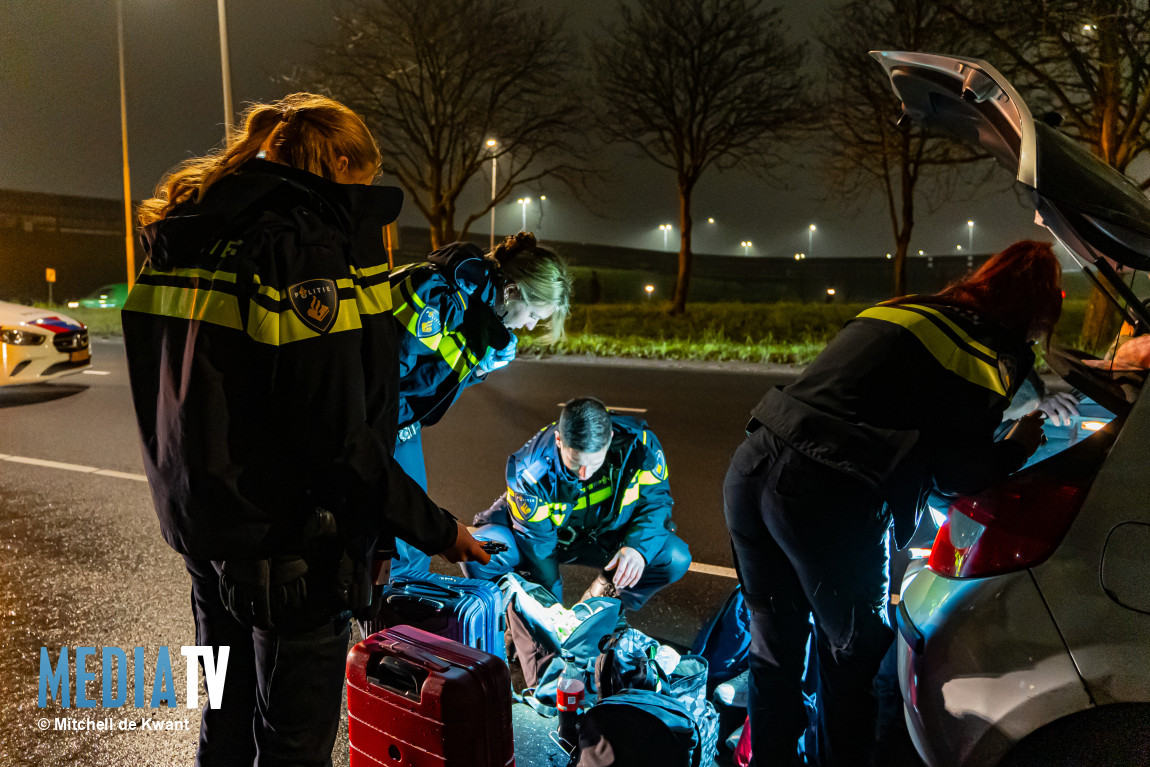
811,239
830,295
745,244
888,255
665,228
523,202
959,248
492,145
921,253
650,290
970,235
710,220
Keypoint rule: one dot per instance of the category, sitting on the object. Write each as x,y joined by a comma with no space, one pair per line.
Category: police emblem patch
428,323
660,466
316,303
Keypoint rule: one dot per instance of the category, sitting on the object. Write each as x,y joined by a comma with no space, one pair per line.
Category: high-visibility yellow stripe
267,326
448,345
204,305
943,348
631,494
955,329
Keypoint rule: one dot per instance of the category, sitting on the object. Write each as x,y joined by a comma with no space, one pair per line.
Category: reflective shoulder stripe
406,308
947,343
197,294
648,478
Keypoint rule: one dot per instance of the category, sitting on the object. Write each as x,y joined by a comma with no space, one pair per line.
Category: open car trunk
1101,218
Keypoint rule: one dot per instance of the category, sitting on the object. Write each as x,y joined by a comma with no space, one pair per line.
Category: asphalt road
83,564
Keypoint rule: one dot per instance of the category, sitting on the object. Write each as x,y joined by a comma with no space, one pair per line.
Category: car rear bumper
981,665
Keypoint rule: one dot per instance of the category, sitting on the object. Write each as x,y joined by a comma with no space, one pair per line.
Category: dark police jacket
447,323
262,357
626,503
905,398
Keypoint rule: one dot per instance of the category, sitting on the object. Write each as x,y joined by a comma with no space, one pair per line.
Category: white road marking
73,467
97,372
698,567
615,408
725,572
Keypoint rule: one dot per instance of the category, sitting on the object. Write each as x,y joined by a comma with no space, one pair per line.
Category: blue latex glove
497,358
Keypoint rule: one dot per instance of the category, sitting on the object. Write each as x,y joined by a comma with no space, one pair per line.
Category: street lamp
225,68
523,202
970,235
830,295
539,222
129,238
811,238
665,228
650,289
745,244
492,145
710,220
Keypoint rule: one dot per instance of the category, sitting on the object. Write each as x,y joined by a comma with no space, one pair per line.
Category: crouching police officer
592,490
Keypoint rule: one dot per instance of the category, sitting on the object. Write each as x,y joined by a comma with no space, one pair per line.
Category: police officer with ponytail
263,363
456,317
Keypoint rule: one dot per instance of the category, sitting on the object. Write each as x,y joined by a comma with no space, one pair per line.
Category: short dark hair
585,425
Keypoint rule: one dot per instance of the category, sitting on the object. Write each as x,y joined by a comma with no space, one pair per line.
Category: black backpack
637,728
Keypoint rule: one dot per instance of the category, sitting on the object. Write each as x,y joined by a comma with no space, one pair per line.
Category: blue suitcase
466,610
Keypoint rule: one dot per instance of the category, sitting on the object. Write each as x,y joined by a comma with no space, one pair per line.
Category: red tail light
1019,522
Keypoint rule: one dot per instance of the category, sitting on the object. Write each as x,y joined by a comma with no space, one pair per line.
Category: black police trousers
283,690
808,539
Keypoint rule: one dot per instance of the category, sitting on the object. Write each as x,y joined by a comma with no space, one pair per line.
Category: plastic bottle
568,699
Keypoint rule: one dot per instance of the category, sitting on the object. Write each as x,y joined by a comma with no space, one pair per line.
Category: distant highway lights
800,256
710,220
888,255
811,238
745,245
650,289
970,235
665,228
523,202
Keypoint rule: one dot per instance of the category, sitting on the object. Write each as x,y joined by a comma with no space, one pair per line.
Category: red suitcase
415,699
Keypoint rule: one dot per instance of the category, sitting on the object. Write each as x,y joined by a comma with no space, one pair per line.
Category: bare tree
869,148
436,81
1089,61
695,84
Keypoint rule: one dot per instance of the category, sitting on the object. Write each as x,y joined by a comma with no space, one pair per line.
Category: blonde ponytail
541,275
303,130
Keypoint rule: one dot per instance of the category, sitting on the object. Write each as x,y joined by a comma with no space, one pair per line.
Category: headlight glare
20,337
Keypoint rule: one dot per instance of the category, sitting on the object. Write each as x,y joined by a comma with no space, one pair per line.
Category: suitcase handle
425,586
434,606
416,655
396,675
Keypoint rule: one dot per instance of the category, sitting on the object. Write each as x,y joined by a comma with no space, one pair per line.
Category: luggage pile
430,684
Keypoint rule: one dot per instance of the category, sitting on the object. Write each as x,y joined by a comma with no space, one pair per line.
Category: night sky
60,130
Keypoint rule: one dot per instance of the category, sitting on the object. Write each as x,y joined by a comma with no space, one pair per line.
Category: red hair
1019,287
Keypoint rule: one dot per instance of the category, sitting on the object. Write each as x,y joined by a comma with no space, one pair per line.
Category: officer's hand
497,358
1027,431
465,548
630,565
1059,408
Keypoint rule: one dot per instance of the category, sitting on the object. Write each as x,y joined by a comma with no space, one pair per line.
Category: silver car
1025,640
